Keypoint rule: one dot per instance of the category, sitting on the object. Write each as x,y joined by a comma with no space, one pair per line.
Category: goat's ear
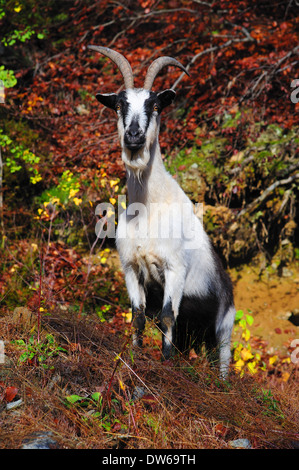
166,97
107,99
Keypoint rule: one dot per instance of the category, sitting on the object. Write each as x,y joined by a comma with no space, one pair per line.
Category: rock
23,317
14,404
6,367
286,272
138,393
41,440
240,444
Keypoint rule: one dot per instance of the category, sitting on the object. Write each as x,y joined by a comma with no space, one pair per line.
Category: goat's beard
136,162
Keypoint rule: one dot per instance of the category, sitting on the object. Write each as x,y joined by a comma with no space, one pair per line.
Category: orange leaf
192,354
221,430
10,393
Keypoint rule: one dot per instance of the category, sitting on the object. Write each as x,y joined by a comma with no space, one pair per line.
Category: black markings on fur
167,321
138,321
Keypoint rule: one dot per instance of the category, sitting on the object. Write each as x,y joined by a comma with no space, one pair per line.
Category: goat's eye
118,107
155,107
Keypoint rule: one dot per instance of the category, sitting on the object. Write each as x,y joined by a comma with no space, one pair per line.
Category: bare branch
211,49
258,201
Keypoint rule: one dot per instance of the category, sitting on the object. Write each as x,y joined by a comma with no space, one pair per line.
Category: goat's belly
149,265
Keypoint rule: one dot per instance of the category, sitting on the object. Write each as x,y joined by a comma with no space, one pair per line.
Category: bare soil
272,300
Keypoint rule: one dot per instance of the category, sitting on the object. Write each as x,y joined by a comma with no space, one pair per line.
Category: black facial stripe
148,108
122,101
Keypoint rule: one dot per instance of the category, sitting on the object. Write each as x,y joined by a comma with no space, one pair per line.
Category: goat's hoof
137,341
139,322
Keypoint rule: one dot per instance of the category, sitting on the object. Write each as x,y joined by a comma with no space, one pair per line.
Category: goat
167,271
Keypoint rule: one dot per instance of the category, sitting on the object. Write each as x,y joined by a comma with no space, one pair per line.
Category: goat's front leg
173,292
137,297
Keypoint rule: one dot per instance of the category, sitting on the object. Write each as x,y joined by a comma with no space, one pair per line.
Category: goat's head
138,109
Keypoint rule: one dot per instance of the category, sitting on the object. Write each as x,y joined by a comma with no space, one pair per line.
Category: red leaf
278,331
221,430
10,393
149,400
116,427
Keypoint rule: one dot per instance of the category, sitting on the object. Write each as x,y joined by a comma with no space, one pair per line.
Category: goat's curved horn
120,61
155,68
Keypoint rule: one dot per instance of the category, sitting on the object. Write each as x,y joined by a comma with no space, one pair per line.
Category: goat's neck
145,188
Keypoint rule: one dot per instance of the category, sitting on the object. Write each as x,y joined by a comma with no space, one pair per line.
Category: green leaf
74,398
249,319
96,396
239,315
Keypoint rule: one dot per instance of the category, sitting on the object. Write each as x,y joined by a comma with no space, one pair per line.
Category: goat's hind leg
173,291
224,341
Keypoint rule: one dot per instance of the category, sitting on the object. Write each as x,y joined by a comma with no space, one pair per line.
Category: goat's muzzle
134,138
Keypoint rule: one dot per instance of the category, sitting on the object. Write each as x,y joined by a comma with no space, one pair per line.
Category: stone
240,444
41,440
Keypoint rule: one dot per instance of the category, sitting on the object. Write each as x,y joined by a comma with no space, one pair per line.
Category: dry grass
184,406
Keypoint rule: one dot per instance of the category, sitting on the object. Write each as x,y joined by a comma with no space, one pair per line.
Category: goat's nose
134,136
134,131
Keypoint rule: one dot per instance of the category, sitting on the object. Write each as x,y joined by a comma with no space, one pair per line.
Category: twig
248,38
266,193
144,384
268,74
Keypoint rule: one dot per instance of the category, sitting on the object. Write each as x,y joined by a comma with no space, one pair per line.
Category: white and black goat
170,267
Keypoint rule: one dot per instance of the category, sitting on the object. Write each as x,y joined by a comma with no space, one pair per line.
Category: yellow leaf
251,367
246,335
127,316
113,183
246,354
77,201
103,260
239,364
285,376
73,192
272,360
112,200
122,386
123,205
54,200
110,212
